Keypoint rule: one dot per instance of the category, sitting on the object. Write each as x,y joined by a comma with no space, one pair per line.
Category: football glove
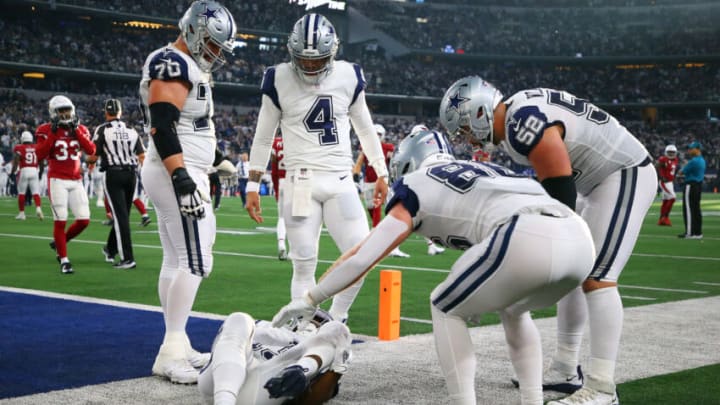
300,309
191,199
290,382
54,124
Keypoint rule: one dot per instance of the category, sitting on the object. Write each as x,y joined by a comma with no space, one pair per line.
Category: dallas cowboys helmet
380,131
62,110
671,151
467,108
26,137
208,30
313,45
420,149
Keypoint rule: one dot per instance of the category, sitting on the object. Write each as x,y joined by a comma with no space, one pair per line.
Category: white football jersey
458,204
315,120
596,142
195,128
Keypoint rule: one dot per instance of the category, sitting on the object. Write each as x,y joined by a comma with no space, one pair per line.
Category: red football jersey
27,155
667,168
370,175
63,150
278,166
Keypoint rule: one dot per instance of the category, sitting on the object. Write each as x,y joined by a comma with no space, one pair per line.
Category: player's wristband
252,187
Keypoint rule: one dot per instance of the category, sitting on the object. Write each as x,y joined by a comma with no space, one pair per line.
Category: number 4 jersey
596,142
459,204
63,150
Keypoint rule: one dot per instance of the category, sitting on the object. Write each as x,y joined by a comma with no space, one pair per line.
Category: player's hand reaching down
253,206
290,382
301,309
191,199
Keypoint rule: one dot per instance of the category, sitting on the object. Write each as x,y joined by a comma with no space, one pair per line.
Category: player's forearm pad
163,117
561,188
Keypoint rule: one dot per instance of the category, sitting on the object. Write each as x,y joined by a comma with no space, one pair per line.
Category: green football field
247,275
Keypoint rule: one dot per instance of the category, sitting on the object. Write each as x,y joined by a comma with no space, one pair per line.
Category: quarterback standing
522,250
586,159
666,167
314,99
62,141
176,96
26,160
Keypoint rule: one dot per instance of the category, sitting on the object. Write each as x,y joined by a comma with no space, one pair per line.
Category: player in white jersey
586,159
314,99
177,98
255,363
523,250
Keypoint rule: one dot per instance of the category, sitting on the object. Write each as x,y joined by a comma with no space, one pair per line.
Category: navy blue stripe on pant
193,247
618,223
480,270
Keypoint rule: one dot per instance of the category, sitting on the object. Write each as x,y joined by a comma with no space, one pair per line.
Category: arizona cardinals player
62,141
666,166
277,172
26,160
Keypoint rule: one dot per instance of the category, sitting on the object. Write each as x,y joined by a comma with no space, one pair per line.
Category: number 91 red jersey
26,154
63,150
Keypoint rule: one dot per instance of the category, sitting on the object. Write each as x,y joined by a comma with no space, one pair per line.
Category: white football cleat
177,370
197,359
593,393
39,213
398,253
20,216
434,249
282,253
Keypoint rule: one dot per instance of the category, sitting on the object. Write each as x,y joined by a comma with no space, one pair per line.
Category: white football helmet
26,137
208,29
62,110
380,131
419,149
313,45
671,151
468,106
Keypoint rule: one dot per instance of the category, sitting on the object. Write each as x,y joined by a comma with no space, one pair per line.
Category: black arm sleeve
562,189
163,118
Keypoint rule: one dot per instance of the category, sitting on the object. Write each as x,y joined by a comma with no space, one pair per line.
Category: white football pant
667,190
28,178
70,194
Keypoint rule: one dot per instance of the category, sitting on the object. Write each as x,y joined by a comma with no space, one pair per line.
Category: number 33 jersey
596,142
459,204
195,128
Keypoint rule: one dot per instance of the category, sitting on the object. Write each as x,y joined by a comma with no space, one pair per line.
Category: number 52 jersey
597,143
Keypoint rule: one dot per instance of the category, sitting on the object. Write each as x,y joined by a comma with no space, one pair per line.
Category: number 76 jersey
597,143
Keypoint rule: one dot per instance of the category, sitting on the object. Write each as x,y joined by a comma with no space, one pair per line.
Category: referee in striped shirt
119,150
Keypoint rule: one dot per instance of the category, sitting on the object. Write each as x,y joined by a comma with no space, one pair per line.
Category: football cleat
282,254
66,268
554,380
39,213
197,359
290,382
109,258
125,264
20,216
588,396
398,253
177,370
145,221
434,249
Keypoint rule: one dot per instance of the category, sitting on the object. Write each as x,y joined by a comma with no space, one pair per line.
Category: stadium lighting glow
34,75
145,24
310,4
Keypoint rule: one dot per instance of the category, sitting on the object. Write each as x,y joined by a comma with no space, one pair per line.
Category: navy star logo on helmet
456,100
208,14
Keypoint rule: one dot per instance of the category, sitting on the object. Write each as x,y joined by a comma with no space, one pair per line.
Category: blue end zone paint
50,344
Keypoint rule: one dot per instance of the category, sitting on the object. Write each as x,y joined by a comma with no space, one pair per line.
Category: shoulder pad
168,65
525,128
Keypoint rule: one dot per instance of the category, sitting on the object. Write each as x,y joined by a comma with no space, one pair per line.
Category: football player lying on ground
524,251
255,363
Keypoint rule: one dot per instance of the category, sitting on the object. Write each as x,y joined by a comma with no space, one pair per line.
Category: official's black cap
113,106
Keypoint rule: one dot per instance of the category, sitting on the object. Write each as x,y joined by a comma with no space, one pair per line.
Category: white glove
301,309
193,205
